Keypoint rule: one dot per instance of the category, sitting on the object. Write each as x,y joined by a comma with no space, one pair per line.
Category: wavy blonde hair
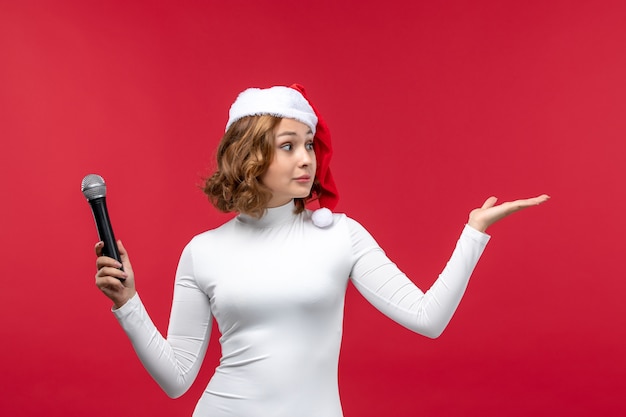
243,156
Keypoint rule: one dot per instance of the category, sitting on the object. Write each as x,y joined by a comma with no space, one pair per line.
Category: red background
433,106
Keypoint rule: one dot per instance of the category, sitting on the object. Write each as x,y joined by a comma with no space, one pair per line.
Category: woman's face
292,170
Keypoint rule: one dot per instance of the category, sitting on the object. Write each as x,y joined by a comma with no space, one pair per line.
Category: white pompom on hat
276,101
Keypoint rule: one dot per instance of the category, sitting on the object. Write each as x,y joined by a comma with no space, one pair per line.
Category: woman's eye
286,146
309,146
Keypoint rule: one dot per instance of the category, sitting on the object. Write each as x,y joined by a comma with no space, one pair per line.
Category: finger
98,248
122,250
109,285
124,255
108,271
104,261
490,202
541,199
529,202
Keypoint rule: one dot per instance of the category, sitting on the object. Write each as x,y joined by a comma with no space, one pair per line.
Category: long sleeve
389,290
173,362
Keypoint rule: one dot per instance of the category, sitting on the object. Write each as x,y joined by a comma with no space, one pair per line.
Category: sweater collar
273,216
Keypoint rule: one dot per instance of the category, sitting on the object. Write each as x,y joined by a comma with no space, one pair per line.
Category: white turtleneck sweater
276,288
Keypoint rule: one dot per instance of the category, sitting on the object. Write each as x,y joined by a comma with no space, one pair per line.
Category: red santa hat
291,102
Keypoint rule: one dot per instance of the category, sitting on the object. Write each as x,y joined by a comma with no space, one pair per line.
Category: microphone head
93,187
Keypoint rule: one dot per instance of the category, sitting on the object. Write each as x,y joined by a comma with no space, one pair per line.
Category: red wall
433,106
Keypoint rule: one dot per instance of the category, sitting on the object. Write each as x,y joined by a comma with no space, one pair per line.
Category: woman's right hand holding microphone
116,284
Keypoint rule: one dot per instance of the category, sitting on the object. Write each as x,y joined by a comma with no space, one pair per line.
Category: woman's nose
306,156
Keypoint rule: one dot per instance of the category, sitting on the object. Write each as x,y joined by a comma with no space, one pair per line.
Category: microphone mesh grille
93,186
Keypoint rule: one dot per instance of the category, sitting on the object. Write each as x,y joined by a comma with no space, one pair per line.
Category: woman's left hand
481,218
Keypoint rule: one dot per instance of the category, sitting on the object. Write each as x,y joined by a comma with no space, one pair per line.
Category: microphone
94,189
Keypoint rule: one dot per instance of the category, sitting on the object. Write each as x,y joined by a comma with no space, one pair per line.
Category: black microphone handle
105,231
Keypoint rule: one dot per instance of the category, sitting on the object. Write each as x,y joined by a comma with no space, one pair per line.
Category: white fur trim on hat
276,101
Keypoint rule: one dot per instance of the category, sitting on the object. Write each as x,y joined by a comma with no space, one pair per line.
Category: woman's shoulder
211,234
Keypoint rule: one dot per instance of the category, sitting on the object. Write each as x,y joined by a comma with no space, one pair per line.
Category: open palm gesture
483,217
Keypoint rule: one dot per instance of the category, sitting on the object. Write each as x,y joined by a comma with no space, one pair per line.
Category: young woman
275,276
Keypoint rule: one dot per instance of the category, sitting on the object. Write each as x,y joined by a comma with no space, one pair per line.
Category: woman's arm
388,289
173,362
382,283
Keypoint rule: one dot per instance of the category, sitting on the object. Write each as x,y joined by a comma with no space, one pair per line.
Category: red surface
433,107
